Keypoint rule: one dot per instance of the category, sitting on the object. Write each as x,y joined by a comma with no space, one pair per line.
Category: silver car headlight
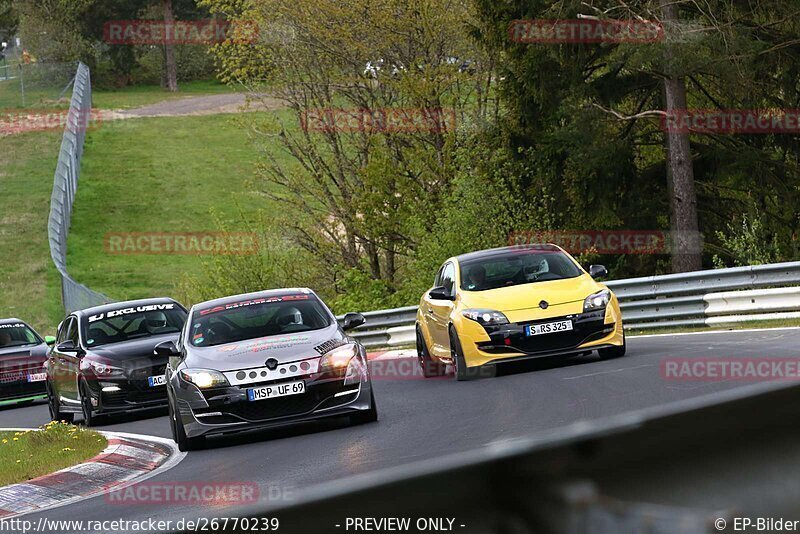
597,301
338,360
204,378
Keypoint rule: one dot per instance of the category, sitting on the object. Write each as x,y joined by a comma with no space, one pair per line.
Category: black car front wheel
55,407
87,410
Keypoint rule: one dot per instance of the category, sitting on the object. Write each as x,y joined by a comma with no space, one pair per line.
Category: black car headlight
104,370
204,378
485,317
597,301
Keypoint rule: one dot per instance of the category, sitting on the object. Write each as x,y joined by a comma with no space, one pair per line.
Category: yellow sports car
514,303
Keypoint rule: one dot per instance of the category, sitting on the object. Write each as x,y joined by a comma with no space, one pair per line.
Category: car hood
12,358
255,352
132,350
526,296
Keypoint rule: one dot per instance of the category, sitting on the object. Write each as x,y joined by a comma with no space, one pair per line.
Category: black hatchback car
104,363
22,356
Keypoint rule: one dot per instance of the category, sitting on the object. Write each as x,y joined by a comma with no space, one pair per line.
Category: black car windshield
104,330
257,318
17,335
515,267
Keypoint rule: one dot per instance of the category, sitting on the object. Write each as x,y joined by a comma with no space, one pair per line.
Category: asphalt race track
422,419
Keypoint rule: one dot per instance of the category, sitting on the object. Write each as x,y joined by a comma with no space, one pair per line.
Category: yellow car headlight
597,301
485,317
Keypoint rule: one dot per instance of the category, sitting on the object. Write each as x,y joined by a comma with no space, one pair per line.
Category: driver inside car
477,278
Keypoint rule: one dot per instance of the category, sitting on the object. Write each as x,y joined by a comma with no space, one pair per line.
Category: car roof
12,320
124,304
502,251
269,293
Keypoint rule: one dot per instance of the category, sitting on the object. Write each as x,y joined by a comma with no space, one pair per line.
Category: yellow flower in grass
5,440
66,449
18,461
16,439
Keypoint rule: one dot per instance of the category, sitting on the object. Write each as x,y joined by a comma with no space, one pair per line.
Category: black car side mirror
166,348
69,346
66,346
440,293
353,320
598,271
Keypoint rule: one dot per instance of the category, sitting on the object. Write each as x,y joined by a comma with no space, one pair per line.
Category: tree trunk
169,48
686,249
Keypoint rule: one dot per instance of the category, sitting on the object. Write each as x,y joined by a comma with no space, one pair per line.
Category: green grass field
143,95
29,286
125,98
31,454
157,175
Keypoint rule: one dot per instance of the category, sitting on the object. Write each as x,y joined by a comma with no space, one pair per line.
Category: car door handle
430,311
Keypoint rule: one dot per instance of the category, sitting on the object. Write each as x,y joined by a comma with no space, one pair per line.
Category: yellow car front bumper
592,330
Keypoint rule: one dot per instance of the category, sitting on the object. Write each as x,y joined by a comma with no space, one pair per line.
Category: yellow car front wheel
461,371
613,352
430,368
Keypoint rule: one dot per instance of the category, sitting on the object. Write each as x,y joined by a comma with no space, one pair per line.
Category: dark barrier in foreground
704,465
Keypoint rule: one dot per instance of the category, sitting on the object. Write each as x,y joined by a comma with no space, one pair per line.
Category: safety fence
75,296
700,298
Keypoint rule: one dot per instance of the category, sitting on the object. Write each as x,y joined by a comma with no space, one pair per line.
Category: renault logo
271,364
544,305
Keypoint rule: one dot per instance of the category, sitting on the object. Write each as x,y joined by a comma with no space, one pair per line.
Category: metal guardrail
75,296
694,466
698,298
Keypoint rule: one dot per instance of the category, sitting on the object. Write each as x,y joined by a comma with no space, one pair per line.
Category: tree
9,19
170,67
715,55
361,198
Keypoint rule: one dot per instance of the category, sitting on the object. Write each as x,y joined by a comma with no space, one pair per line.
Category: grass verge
137,178
143,95
29,285
31,454
123,98
780,323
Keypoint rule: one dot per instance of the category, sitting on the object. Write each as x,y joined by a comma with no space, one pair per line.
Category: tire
430,368
462,372
613,352
89,417
55,408
184,443
368,416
